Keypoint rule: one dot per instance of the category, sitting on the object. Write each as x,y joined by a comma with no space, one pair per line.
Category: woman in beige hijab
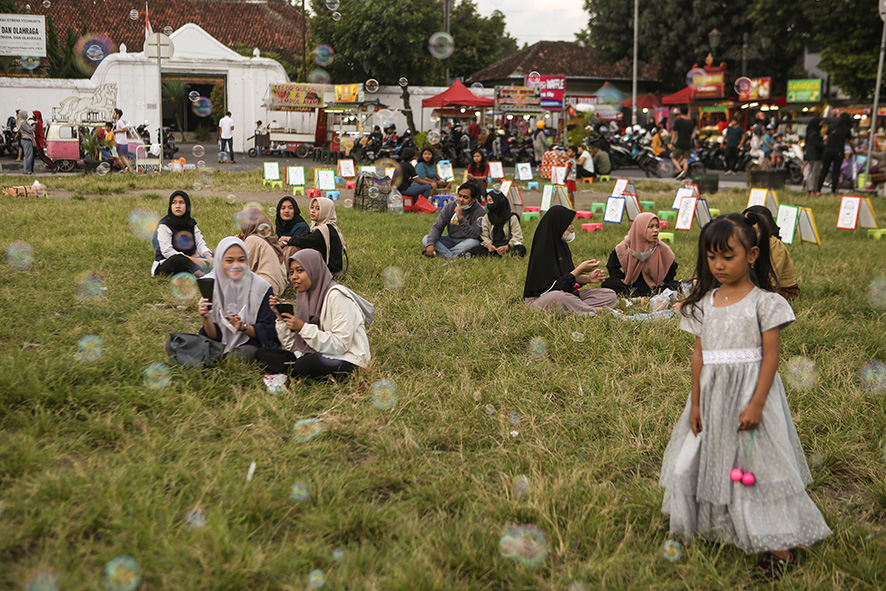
263,248
641,263
324,237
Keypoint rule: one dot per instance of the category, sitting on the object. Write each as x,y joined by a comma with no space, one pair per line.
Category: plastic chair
532,185
581,214
334,195
666,237
598,207
604,178
594,227
530,215
876,234
339,180
588,179
315,193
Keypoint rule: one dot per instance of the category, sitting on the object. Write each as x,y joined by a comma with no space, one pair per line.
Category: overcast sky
539,20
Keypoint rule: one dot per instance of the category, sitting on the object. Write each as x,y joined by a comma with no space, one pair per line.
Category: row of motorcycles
169,146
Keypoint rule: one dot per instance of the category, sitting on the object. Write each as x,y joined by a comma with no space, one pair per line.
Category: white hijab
245,296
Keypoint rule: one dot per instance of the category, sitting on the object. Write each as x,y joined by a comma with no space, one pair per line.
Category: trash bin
708,183
768,179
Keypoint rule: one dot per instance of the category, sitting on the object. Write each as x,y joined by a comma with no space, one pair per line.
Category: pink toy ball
735,475
748,479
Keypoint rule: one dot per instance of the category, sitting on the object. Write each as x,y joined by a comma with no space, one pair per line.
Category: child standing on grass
737,415
571,154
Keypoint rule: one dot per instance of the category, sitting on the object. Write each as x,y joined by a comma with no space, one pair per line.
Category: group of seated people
325,334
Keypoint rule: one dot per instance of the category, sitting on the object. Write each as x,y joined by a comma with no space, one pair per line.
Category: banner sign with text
295,97
552,89
517,98
23,34
758,89
804,91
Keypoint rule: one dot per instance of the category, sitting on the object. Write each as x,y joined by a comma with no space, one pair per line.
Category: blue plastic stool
334,195
532,185
339,180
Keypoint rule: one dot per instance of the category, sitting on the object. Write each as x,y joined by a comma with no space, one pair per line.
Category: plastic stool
531,208
273,183
588,179
532,185
334,195
598,207
604,177
667,215
876,234
714,212
531,215
666,237
339,180
663,225
315,193
297,190
592,228
647,205
583,214
351,185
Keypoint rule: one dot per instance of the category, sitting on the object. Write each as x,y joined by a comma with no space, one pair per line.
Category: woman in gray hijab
26,137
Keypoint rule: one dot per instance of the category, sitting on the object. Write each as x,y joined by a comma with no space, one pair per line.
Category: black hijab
285,227
550,258
183,223
498,210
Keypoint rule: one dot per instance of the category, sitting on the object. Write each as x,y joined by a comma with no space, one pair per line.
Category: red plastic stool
314,193
531,208
663,224
584,214
591,228
351,185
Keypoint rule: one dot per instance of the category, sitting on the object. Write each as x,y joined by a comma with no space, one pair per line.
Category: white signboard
369,169
702,212
346,169
787,222
324,179
808,229
558,175
684,216
505,186
631,204
554,194
766,198
23,34
496,170
615,207
524,171
295,176
856,211
681,193
272,171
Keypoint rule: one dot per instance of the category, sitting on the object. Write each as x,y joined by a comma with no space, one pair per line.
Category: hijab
286,227
182,223
325,219
39,135
22,125
550,258
253,220
637,255
498,212
309,304
243,297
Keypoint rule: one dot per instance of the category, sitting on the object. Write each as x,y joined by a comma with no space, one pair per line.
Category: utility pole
634,81
304,43
867,166
446,11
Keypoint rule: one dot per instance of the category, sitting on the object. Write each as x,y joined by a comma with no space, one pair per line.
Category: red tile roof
561,58
270,25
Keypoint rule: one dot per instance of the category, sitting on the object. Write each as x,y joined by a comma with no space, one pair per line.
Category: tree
479,41
174,93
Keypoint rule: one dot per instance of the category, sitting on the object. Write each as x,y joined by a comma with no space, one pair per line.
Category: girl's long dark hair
764,212
715,238
421,156
474,167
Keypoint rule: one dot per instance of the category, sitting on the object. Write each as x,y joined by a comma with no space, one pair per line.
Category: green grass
94,465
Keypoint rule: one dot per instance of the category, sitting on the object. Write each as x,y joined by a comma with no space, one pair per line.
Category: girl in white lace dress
737,415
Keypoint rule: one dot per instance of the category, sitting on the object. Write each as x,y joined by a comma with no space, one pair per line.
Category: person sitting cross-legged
461,220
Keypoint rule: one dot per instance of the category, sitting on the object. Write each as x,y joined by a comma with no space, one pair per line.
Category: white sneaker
681,175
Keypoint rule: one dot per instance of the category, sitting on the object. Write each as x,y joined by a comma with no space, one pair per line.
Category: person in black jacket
813,155
835,140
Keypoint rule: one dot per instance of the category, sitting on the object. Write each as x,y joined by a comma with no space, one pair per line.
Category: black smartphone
284,308
206,284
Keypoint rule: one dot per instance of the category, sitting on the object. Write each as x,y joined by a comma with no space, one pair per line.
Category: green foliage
479,41
203,132
219,107
290,64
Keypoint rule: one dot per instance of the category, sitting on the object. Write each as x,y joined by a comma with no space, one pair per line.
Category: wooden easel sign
554,194
324,179
523,171
496,170
681,193
271,171
806,226
623,187
764,197
702,212
686,213
854,212
295,176
615,208
513,193
346,169
444,170
558,175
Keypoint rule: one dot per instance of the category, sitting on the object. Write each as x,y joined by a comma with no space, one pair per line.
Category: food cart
293,101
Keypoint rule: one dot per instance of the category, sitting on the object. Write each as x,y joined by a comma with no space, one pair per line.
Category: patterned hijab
637,255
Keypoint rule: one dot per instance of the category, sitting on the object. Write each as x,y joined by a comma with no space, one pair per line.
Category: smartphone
284,308
206,284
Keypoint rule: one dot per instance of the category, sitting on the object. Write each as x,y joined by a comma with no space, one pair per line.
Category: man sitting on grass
461,219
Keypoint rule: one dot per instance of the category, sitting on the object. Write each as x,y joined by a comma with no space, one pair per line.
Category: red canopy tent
644,101
456,95
681,97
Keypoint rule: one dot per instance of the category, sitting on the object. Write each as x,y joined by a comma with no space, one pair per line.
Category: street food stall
298,104
350,114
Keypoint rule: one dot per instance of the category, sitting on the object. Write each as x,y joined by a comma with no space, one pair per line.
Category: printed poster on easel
513,193
787,222
623,187
615,207
295,176
346,169
324,179
681,193
558,175
272,171
496,170
523,171
552,193
764,197
686,213
632,205
854,212
807,227
369,169
444,170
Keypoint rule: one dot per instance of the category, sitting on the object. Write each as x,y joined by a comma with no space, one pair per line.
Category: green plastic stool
530,215
647,205
598,207
666,237
714,212
604,178
297,190
876,234
667,215
273,183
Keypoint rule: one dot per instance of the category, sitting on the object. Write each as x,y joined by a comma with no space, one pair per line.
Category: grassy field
489,429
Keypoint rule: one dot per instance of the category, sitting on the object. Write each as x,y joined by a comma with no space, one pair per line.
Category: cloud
530,21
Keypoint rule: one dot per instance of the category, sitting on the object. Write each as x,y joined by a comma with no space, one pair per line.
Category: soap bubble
202,107
319,76
223,157
578,337
692,74
90,285
521,487
43,580
272,211
197,186
336,16
193,96
264,230
317,579
103,169
195,518
133,14
384,118
30,62
167,30
299,492
741,85
672,550
183,286
433,137
306,429
534,78
527,545
19,255
90,50
514,417
873,376
156,376
514,434
477,85
323,55
201,165
403,81
393,278
338,554
46,3
90,348
390,168
372,192
489,409
143,223
122,574
198,150
538,347
231,309
183,240
206,178
348,203
441,45
384,394
877,292
371,85
231,198
800,373
333,4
